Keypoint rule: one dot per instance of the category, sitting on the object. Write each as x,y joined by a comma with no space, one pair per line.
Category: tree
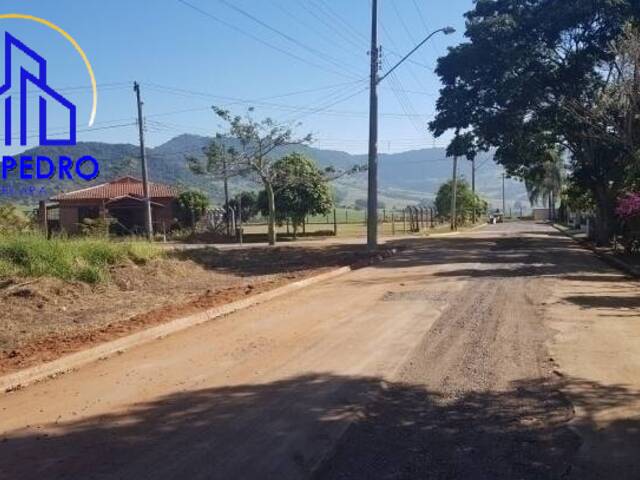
249,204
466,201
251,156
530,78
546,183
192,205
300,189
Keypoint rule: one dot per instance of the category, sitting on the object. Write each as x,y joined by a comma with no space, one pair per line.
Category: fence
350,222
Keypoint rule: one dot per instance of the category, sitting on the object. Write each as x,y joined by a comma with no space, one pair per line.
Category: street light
372,187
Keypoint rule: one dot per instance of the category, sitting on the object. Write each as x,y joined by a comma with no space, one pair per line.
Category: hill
404,178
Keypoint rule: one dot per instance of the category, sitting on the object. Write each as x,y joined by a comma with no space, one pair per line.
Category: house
122,200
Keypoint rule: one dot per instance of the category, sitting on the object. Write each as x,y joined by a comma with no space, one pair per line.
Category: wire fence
351,222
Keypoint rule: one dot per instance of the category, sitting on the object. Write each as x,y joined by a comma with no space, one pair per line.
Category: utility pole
503,200
454,192
148,223
372,190
226,194
473,188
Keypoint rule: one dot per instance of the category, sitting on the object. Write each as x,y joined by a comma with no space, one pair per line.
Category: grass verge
84,259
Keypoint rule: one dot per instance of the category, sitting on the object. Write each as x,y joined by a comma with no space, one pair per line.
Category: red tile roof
120,187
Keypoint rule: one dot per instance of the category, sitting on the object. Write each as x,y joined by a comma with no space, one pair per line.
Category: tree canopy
465,201
532,76
252,157
300,189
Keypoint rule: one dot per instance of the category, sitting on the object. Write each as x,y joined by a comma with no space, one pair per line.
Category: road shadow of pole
396,431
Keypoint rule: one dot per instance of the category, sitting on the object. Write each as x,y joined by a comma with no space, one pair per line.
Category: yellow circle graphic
75,45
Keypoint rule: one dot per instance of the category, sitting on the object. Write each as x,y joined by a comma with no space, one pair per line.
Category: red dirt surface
44,319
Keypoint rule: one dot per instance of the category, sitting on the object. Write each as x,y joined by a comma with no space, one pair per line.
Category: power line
350,28
331,26
286,36
308,26
279,106
260,40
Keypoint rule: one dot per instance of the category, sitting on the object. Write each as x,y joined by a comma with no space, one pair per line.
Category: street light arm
445,30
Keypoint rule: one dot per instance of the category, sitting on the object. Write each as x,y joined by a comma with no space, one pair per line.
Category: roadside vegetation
466,202
543,82
84,259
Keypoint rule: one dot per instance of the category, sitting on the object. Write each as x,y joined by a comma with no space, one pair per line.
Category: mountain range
405,178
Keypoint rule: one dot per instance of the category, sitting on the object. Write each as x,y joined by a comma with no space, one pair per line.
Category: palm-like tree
545,184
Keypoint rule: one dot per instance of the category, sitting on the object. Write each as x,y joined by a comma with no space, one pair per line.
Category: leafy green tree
192,204
531,78
300,189
253,156
546,183
249,204
466,201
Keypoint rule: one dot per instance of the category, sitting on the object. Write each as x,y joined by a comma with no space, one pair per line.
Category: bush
83,259
192,206
12,219
628,206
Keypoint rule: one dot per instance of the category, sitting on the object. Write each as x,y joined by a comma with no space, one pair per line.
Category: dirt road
432,364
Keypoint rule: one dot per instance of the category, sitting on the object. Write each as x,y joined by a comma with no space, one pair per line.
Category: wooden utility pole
454,192
148,223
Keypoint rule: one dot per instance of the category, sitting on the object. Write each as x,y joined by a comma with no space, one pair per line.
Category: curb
608,259
22,378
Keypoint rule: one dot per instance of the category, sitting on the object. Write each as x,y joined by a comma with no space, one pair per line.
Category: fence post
393,224
335,223
42,211
346,215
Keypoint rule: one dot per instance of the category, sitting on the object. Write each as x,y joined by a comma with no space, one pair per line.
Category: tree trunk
605,217
272,213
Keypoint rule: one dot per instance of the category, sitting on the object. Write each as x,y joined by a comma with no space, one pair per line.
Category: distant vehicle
496,217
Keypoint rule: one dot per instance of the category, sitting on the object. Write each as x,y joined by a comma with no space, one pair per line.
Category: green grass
84,259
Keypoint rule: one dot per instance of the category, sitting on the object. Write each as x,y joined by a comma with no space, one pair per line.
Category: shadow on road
261,431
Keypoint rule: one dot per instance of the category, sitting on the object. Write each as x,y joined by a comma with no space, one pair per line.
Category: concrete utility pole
372,185
473,188
375,79
148,223
503,199
226,194
454,193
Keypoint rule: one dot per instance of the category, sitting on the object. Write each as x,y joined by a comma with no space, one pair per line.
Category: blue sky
186,61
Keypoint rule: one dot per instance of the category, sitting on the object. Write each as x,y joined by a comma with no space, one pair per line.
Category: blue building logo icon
14,97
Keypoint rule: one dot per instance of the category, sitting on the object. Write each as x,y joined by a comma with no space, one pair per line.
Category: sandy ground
484,356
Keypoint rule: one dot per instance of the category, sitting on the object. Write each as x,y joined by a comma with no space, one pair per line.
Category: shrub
12,219
83,259
628,206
